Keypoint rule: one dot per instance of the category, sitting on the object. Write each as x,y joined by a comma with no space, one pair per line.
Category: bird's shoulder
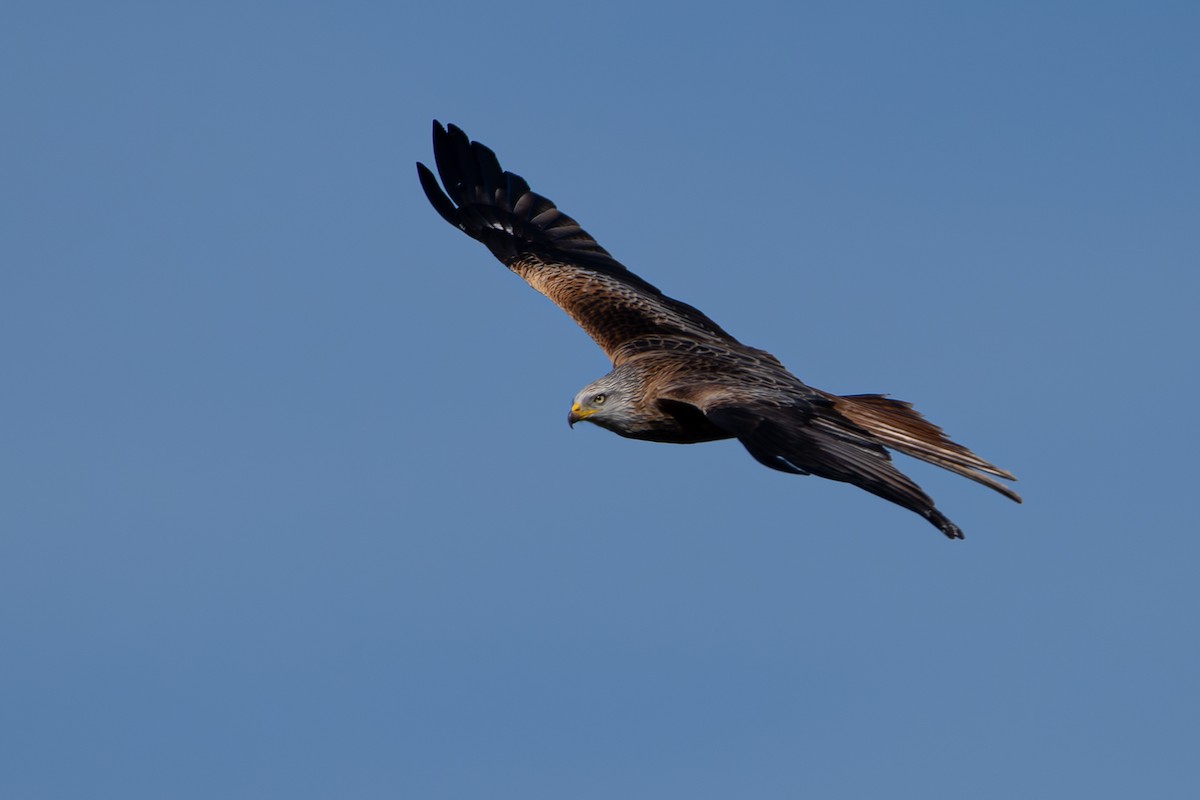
704,372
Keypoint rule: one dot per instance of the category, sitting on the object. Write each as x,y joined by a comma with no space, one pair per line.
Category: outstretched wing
791,427
551,251
817,442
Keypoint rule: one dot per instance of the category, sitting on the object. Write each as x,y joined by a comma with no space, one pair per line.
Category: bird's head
605,402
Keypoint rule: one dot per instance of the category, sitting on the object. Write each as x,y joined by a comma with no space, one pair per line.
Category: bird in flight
678,376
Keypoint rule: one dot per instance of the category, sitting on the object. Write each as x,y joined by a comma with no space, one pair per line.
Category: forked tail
895,424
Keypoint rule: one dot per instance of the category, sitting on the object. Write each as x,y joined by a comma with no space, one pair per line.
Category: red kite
678,376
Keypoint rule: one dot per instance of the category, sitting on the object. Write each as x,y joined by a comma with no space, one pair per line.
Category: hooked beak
578,414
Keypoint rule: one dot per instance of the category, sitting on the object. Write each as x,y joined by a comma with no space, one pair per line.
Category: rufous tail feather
895,424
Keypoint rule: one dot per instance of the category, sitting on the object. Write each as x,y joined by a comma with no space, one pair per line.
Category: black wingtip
498,208
943,524
437,198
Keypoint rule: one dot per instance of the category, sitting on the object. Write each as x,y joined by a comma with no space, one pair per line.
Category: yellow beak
578,413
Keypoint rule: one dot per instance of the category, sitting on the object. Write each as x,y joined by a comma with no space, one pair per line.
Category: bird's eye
598,400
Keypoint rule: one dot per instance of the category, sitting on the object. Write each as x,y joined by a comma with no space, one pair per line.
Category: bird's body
677,376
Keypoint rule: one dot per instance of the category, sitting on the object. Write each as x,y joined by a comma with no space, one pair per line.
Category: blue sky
290,504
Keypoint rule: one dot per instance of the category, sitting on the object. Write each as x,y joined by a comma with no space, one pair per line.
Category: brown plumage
677,376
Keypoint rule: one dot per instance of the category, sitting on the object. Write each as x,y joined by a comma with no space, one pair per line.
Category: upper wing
551,252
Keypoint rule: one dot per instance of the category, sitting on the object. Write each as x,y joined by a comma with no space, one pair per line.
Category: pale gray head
610,402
